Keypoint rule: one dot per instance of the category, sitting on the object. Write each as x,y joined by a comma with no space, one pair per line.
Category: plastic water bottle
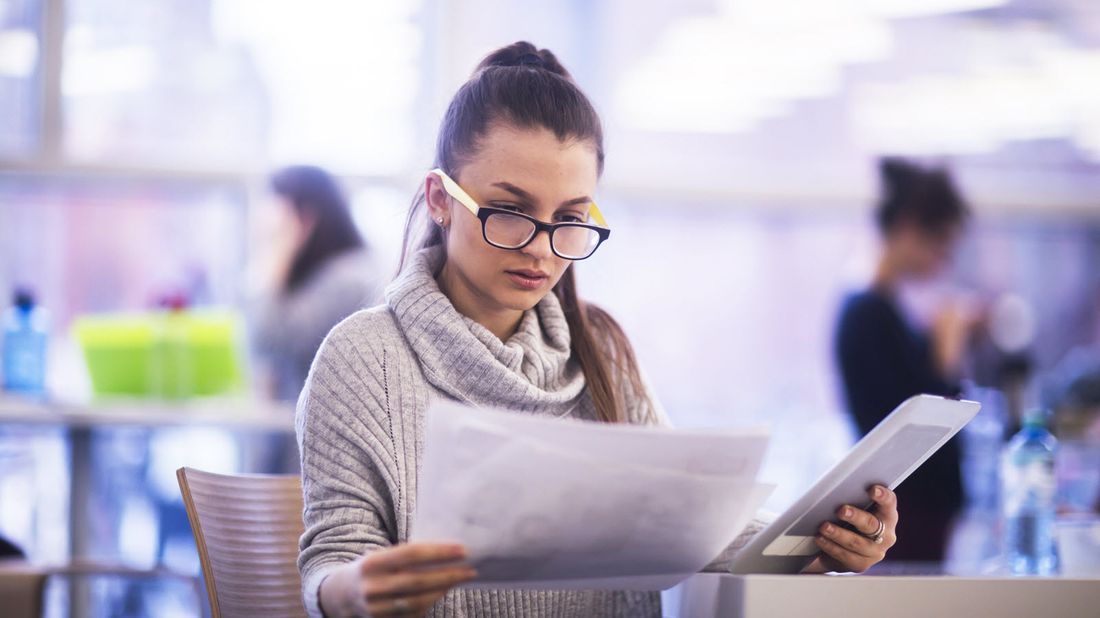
1027,492
24,346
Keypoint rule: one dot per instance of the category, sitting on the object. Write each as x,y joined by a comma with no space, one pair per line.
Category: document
548,503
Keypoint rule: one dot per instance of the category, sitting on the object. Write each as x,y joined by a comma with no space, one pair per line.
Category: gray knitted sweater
360,427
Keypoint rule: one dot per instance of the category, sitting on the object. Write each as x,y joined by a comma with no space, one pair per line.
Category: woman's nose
539,247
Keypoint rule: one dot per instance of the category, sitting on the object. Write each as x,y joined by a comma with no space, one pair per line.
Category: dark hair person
316,272
484,311
884,359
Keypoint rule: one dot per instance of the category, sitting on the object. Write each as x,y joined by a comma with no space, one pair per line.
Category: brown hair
527,87
923,196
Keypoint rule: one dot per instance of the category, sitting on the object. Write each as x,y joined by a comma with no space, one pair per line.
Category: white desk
80,419
824,596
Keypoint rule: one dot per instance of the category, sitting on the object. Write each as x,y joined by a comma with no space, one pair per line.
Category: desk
843,596
80,419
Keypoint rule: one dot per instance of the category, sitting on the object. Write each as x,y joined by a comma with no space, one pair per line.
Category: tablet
886,456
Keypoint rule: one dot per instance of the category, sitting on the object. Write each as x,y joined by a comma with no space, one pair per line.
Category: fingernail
827,528
847,512
878,492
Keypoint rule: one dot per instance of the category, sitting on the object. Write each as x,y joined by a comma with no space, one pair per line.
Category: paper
544,503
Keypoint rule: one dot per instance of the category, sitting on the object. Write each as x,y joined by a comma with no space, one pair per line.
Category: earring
440,220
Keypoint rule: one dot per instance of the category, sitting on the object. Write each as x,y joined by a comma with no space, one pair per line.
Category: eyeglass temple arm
456,191
459,194
597,216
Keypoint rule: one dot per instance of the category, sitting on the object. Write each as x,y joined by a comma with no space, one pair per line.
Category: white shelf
237,413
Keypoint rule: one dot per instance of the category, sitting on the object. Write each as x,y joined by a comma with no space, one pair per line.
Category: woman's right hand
403,580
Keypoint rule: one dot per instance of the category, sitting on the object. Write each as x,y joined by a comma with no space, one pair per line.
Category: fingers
886,504
410,583
408,554
405,606
846,558
862,520
852,541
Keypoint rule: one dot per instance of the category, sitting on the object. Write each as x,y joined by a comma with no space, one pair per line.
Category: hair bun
530,59
524,54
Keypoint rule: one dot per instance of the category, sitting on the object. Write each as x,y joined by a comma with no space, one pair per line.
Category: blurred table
80,419
856,596
235,414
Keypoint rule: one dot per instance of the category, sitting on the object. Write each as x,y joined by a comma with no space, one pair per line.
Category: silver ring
401,606
879,534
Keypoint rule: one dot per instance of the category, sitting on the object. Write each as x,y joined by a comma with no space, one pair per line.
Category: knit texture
361,419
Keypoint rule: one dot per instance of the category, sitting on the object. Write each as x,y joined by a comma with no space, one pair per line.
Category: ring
401,606
879,534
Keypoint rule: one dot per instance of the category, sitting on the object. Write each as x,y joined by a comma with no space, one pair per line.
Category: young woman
314,272
485,311
884,360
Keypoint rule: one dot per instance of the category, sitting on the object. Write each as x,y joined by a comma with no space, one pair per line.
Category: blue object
24,346
1028,488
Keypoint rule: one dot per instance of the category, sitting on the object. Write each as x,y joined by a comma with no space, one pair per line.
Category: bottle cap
23,298
1035,417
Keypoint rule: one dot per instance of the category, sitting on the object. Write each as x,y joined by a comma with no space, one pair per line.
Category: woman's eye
511,207
570,218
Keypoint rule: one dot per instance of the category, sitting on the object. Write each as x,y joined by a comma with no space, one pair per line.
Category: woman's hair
316,197
527,88
912,194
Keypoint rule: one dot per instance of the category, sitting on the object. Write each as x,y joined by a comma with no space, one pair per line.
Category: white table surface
858,596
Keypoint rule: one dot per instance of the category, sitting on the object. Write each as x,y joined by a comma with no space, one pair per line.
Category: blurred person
485,311
884,358
314,270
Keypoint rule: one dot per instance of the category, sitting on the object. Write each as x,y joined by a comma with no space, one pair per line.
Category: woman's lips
527,279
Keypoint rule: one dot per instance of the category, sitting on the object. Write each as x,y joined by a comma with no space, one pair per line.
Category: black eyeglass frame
484,212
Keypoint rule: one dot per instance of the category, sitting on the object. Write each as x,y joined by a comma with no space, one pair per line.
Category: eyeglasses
507,229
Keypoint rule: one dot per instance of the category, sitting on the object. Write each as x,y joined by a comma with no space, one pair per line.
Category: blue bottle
24,346
1028,487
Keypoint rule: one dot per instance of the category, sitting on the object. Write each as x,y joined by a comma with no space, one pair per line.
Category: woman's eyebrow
524,195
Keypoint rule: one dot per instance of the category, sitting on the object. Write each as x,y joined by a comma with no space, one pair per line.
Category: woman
485,311
316,272
884,359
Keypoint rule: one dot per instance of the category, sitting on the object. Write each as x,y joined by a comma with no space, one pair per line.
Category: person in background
314,272
884,359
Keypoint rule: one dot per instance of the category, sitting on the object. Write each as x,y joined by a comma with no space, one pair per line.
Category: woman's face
924,254
526,170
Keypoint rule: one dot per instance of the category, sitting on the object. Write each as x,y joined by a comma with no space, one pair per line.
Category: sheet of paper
555,504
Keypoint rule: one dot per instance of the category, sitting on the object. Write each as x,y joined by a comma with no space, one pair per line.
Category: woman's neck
500,321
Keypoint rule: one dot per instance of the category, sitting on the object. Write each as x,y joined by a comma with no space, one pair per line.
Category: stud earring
440,220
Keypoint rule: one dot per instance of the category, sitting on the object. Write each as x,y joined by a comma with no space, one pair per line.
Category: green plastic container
170,354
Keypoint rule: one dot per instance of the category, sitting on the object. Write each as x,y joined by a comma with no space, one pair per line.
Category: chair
246,528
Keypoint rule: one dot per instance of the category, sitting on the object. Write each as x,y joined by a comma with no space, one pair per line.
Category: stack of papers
547,503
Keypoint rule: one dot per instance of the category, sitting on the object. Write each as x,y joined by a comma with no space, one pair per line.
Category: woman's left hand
845,550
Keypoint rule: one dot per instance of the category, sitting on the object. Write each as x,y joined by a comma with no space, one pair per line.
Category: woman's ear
435,196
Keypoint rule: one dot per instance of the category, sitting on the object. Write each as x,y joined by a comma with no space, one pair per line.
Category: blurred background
137,140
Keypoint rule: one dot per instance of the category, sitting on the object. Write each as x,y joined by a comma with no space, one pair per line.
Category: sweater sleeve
349,476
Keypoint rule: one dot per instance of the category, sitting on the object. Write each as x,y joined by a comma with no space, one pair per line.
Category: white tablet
886,456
